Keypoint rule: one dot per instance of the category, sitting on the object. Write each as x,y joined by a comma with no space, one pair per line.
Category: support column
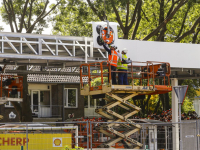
91,49
40,47
175,127
73,49
85,49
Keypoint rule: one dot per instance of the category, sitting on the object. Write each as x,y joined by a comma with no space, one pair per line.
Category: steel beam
66,49
48,47
53,44
101,53
11,45
47,57
29,45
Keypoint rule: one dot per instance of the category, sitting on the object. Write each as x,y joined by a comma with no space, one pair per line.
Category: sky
7,27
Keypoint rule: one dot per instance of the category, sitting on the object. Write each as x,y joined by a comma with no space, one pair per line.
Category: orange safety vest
113,58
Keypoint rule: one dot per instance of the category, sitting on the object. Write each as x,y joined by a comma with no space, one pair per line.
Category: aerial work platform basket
144,78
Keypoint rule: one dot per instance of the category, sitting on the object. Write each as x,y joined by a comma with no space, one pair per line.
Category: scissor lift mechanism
118,95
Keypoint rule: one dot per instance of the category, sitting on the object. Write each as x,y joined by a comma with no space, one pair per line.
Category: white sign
128,87
189,136
79,136
12,115
181,92
57,142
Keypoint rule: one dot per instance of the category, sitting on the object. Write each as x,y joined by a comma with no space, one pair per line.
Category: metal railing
50,135
46,111
35,46
40,136
144,72
153,135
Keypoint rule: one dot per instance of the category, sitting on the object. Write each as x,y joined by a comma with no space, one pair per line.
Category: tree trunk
156,109
167,19
142,107
126,31
161,19
162,98
167,105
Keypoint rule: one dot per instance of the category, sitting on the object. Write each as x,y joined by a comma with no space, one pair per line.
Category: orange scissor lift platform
145,78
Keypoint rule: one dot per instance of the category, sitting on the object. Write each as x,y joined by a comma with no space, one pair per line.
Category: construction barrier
84,134
40,136
39,141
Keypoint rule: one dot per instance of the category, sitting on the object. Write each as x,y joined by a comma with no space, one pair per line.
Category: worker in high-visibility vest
122,76
112,58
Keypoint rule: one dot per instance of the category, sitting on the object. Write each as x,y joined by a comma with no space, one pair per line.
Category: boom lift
144,80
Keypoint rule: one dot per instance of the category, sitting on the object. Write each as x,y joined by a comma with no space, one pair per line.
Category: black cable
105,18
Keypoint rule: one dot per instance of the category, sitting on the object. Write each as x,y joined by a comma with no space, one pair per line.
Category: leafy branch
167,19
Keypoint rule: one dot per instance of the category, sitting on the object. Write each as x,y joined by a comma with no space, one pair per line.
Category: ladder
119,96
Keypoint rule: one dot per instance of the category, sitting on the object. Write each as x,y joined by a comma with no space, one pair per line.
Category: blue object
113,75
181,92
122,77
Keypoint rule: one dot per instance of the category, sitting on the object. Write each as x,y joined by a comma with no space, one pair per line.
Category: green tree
72,19
78,13
193,86
1,28
143,20
27,15
187,106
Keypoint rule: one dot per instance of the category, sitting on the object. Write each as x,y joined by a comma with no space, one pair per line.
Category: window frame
49,98
95,102
66,98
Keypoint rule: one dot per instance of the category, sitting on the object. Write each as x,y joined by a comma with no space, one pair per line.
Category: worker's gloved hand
126,61
106,41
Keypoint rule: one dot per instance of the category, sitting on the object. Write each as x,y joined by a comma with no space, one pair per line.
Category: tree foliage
26,15
160,20
187,105
72,19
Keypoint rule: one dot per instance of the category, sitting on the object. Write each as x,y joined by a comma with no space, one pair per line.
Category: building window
86,101
71,98
92,103
89,102
45,98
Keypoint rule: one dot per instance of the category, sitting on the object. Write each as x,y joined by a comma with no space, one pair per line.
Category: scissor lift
142,77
